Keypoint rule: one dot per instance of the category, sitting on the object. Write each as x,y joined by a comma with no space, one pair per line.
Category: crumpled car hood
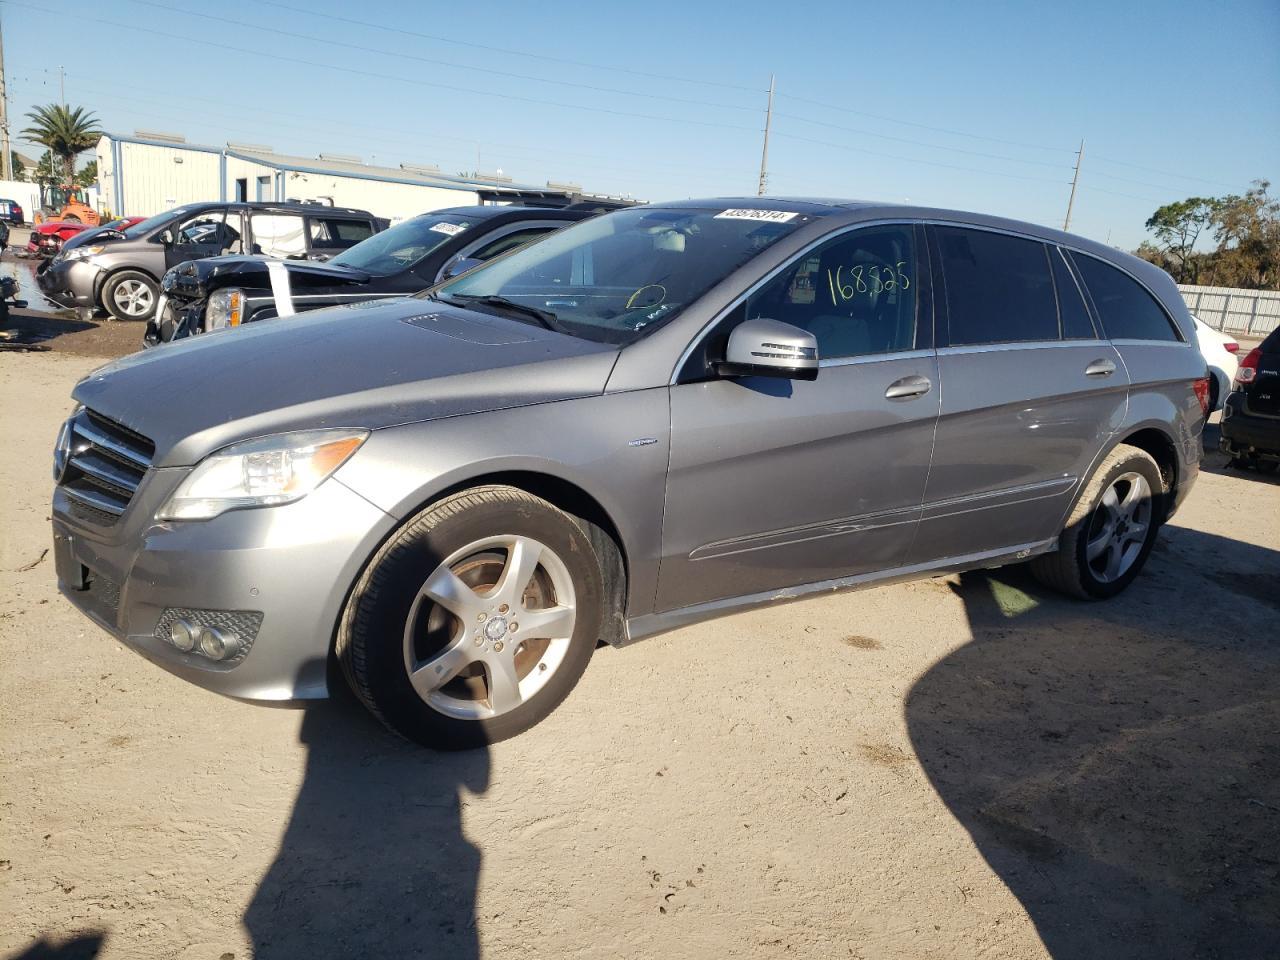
366,365
194,279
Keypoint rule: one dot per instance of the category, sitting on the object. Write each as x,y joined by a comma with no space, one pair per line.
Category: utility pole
6,163
764,154
62,85
1075,178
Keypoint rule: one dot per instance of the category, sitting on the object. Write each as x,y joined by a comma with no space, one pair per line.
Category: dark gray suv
654,417
120,271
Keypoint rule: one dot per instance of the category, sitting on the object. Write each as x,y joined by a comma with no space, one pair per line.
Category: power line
931,163
311,64
309,124
310,38
922,143
507,51
922,126
1164,173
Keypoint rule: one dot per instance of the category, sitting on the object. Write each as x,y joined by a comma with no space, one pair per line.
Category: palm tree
65,132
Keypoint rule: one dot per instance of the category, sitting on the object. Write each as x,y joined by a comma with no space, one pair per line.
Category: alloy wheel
489,627
1119,527
133,297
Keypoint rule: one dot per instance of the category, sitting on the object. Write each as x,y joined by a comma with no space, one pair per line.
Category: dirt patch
862,643
106,339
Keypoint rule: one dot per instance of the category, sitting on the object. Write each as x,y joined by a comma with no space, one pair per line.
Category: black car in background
1251,415
228,291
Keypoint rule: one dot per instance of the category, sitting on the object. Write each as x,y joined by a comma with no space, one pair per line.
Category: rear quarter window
1126,309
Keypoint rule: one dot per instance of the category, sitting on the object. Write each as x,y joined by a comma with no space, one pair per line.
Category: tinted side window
509,242
1127,311
329,234
998,288
1076,324
856,293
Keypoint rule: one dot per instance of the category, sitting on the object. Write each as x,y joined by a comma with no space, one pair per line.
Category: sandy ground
963,767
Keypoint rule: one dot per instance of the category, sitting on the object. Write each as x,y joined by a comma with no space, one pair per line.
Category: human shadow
1118,763
84,946
373,862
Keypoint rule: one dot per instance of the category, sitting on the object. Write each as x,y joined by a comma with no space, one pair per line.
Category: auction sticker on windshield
771,216
451,229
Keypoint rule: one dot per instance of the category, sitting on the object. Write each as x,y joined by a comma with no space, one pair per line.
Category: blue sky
975,106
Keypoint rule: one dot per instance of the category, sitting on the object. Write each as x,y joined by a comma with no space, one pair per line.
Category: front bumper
69,283
287,569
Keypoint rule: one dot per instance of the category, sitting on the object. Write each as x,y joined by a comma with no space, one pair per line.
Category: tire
130,295
1118,533
1267,466
1214,391
395,627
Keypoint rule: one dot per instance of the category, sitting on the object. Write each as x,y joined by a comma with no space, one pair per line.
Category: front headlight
225,309
80,253
261,473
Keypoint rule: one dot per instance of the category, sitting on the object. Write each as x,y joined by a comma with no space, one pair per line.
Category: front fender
614,448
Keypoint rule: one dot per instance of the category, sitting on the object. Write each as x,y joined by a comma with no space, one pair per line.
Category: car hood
366,365
195,279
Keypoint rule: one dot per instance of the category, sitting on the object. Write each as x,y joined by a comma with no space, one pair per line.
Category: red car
47,238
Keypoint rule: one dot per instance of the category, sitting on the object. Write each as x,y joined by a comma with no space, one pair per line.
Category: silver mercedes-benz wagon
653,417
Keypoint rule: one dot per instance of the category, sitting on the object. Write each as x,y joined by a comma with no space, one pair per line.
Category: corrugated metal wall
157,178
1234,310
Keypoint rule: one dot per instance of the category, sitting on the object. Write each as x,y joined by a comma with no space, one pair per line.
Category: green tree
1247,229
1177,226
66,132
19,168
88,174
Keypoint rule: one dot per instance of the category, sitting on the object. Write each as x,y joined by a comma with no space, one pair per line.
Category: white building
147,173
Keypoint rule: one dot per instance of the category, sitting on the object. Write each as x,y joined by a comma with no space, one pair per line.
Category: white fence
1255,312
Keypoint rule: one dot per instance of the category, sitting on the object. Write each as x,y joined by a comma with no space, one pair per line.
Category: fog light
182,635
217,645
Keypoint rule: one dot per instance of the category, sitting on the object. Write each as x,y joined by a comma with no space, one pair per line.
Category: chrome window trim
1018,345
875,358
803,252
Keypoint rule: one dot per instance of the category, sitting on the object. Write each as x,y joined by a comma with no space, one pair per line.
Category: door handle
1100,368
908,387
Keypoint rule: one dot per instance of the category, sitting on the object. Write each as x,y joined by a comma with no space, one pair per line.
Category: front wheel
130,295
1111,529
475,620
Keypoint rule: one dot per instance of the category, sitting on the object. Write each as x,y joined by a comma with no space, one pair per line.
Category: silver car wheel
133,298
1119,527
489,627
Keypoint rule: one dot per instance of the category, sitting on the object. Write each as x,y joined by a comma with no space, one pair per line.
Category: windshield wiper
545,318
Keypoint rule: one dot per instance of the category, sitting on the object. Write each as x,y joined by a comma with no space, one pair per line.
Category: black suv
229,291
1251,414
120,270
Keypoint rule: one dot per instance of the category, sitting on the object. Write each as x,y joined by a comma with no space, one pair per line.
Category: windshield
143,227
403,245
616,277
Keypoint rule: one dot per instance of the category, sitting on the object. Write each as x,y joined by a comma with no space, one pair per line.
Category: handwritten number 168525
871,280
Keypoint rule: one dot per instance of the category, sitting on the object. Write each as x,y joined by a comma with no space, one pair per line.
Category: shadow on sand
374,862
1118,763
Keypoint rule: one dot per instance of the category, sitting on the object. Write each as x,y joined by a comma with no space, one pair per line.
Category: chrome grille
106,463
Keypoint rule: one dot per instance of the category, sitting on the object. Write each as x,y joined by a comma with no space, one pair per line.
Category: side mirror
458,266
770,348
166,237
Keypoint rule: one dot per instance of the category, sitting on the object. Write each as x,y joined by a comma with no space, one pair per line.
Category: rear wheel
130,295
475,621
1111,529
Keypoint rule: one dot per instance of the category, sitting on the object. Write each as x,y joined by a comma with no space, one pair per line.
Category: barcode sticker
451,229
769,216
